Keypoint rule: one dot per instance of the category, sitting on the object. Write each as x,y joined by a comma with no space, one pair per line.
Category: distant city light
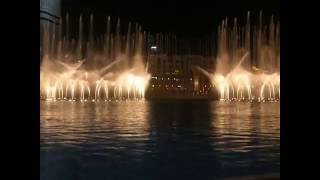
154,47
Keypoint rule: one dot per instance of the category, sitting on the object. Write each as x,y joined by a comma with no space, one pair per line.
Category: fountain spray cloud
93,70
248,61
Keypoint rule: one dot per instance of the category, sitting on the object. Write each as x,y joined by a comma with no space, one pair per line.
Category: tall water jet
247,45
127,51
67,33
259,42
117,40
80,38
90,43
60,40
107,42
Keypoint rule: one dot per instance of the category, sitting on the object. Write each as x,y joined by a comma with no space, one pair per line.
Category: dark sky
189,18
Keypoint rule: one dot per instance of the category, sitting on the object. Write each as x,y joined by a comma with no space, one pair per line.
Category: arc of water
102,71
134,93
67,92
106,90
233,93
88,89
238,88
227,88
73,87
273,91
96,92
261,91
222,92
81,91
265,83
50,92
241,60
142,92
248,89
128,91
101,83
270,92
58,85
115,92
120,91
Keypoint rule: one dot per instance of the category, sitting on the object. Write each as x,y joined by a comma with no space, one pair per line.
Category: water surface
158,140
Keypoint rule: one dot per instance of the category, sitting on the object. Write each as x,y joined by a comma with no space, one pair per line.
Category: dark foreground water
158,140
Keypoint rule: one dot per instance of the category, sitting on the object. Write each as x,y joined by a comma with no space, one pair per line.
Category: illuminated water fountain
112,68
248,62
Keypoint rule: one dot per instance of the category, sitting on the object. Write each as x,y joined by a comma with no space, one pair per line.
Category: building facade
178,76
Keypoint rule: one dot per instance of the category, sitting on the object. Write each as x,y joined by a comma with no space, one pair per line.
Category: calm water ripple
158,140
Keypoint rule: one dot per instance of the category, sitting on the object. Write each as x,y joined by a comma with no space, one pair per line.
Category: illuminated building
177,76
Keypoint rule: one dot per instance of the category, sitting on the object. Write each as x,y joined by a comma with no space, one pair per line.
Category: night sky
187,19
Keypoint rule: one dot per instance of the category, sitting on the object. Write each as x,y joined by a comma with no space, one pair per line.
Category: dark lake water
158,140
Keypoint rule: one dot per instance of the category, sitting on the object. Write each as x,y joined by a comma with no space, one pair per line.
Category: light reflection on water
158,140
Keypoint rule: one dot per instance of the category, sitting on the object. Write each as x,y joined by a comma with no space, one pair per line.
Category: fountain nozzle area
242,85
